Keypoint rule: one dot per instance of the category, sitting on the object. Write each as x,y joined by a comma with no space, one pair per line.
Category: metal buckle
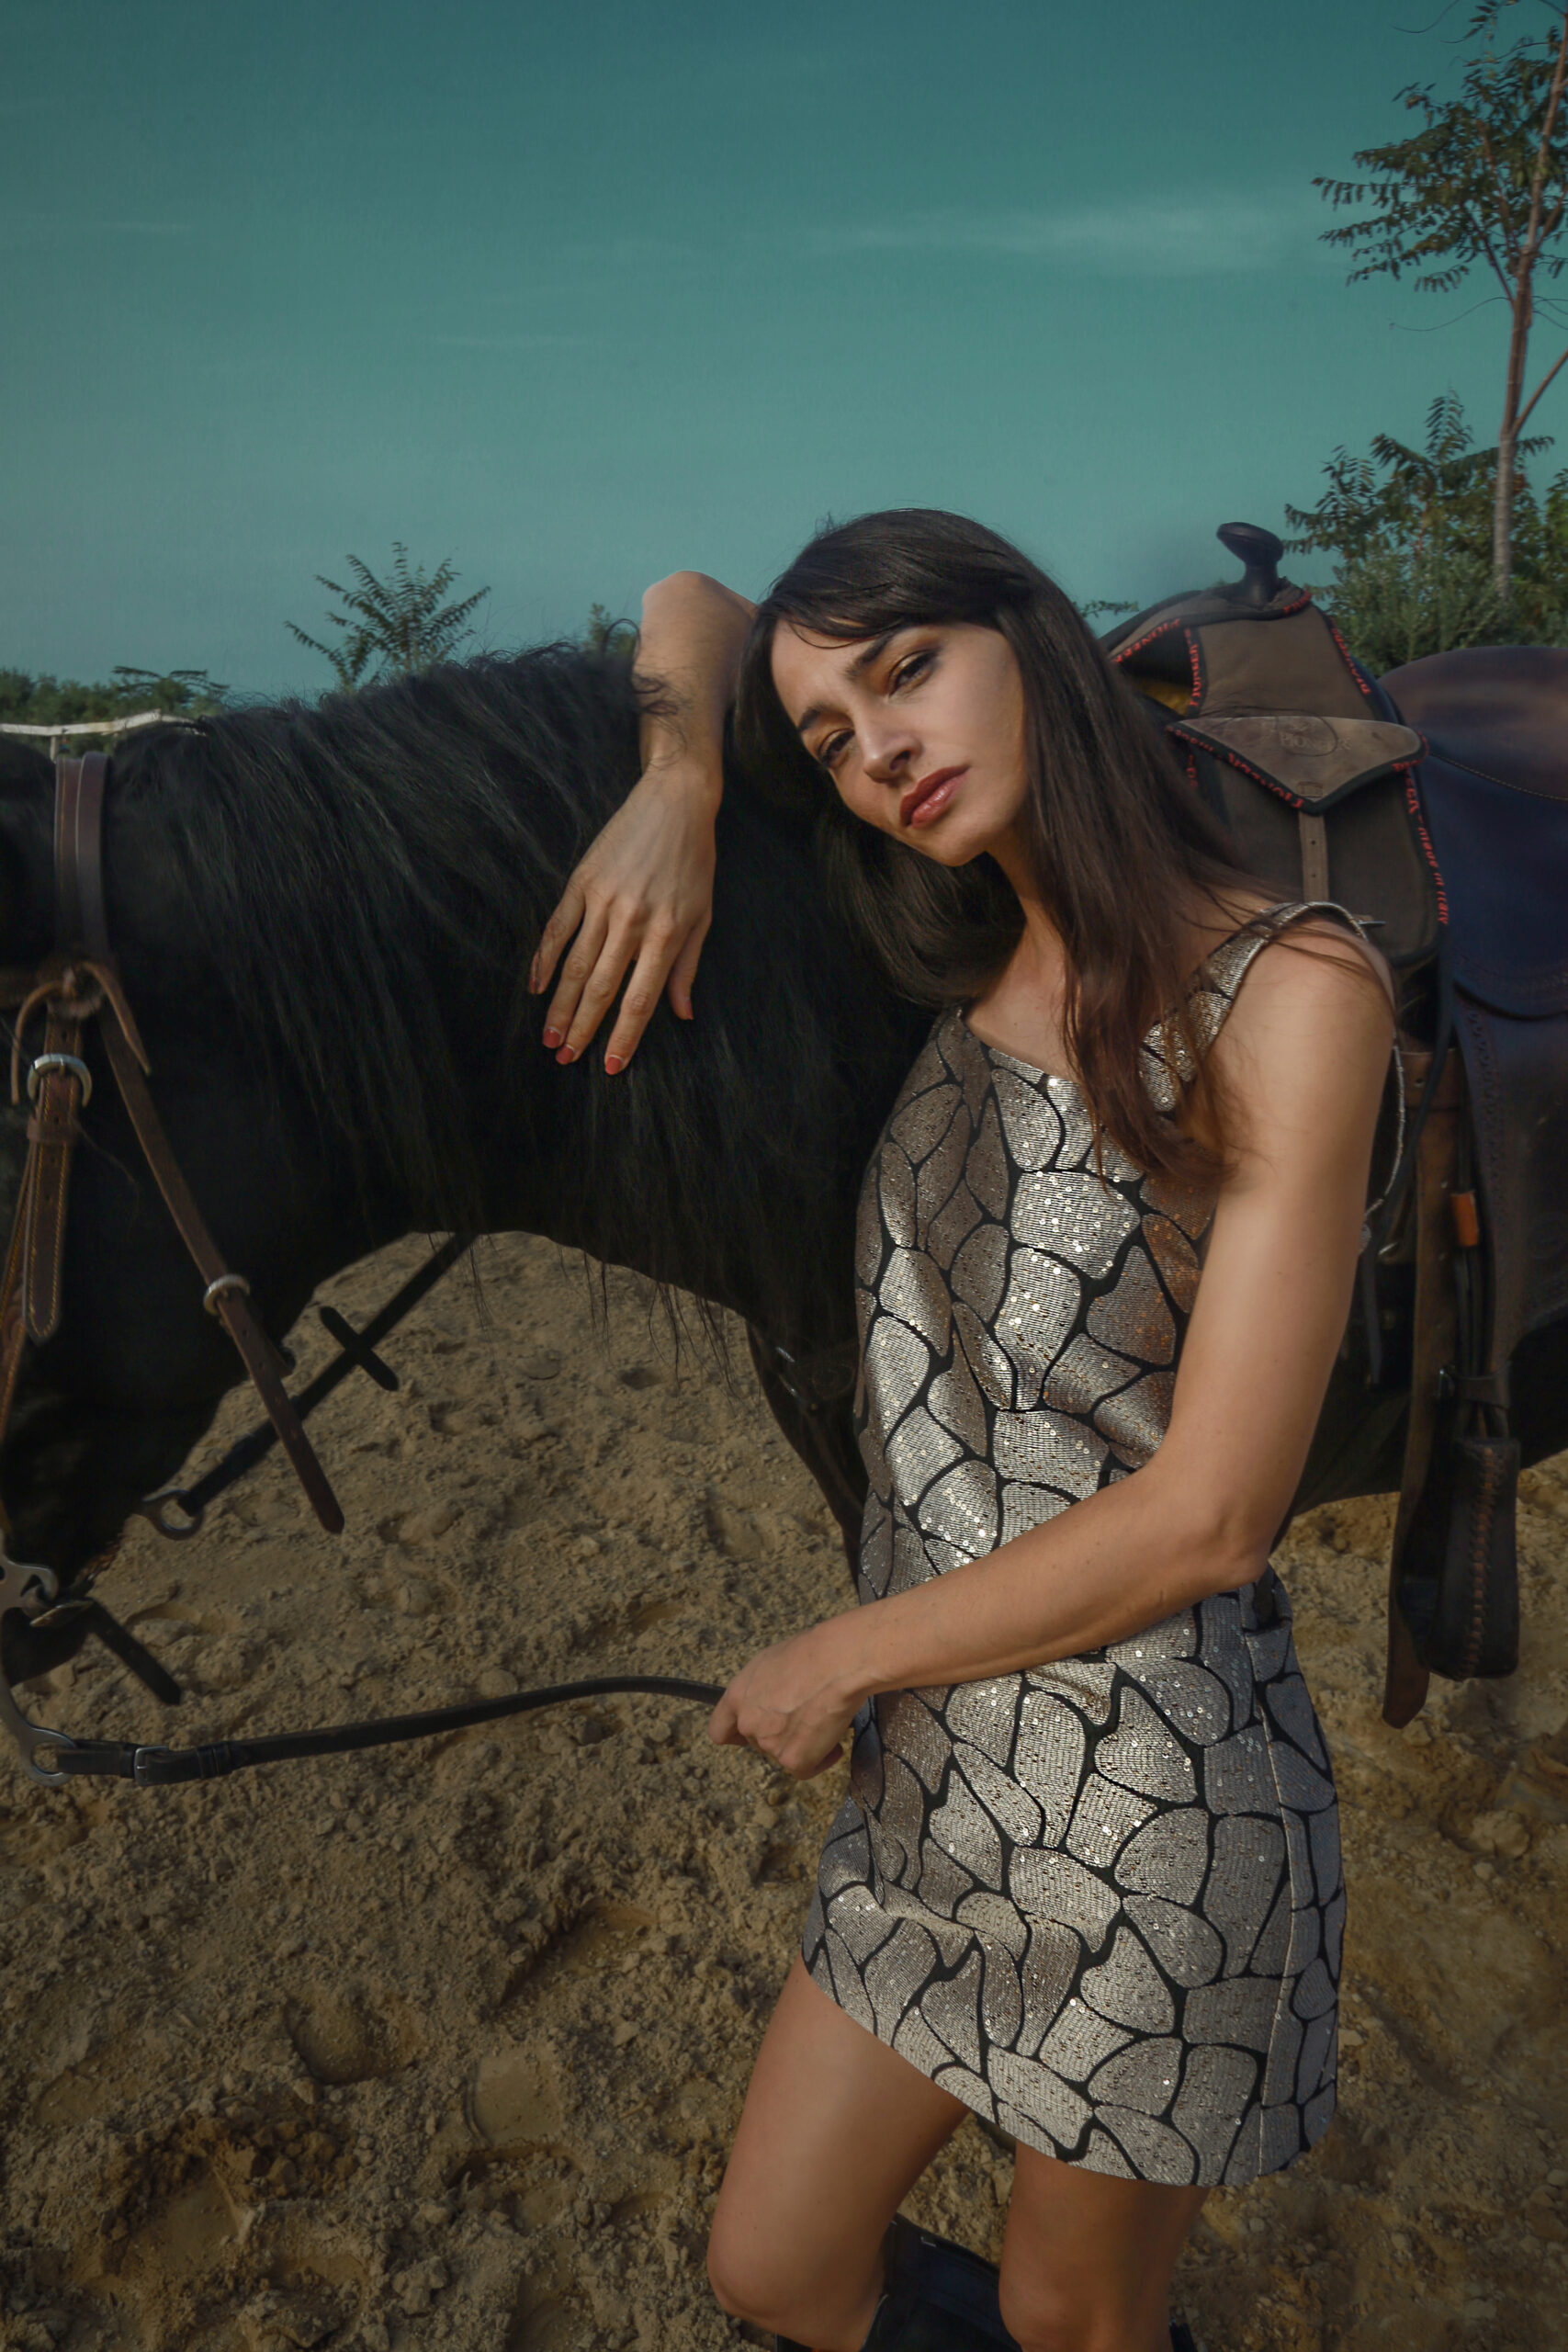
31,1590
154,1510
43,1063
215,1290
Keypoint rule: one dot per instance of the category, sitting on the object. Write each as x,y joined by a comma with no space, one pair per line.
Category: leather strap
82,913
1476,1387
81,920
13,1316
73,988
157,1768
1314,832
53,1131
57,1085
232,1306
1434,1339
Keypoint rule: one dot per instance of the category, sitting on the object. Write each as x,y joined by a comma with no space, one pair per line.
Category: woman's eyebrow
866,659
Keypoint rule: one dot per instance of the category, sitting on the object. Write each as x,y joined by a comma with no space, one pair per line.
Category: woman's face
922,732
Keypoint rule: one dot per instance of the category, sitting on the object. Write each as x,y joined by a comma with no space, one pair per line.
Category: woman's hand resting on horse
796,1701
641,899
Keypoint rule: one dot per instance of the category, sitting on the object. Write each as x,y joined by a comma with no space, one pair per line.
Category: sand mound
441,2047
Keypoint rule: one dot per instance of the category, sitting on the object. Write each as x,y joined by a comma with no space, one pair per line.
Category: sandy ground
441,2047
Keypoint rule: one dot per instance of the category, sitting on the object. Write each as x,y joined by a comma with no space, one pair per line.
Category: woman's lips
924,804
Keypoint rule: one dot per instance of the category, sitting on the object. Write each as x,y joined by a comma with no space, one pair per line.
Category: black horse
321,915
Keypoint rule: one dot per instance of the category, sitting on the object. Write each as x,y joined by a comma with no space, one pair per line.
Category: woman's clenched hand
796,1701
639,901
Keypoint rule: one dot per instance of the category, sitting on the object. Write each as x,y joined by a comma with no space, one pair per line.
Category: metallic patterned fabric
1098,1900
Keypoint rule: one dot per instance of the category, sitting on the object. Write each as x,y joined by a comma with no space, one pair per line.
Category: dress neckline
1000,1054
1265,916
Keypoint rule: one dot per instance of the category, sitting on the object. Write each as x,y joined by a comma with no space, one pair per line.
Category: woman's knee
753,2283
769,2287
744,2280
1045,2315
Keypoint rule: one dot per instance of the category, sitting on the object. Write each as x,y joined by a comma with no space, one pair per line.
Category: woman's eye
911,670
831,751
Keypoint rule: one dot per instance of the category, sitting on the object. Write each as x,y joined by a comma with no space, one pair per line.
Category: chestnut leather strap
229,1303
78,984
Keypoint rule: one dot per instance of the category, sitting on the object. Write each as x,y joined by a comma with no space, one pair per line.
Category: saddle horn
1259,551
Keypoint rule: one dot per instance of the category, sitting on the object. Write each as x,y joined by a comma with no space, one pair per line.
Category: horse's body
320,916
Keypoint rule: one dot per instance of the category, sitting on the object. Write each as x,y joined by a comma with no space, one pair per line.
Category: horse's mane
340,858
359,866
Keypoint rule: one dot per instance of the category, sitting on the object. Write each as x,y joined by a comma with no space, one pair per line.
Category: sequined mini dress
1100,1901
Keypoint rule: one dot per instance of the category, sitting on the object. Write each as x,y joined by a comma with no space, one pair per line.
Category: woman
1086,1881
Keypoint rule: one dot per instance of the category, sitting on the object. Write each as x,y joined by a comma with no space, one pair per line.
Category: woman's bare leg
1087,2258
836,2131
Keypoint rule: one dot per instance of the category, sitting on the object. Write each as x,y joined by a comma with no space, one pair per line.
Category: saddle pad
1499,711
1503,857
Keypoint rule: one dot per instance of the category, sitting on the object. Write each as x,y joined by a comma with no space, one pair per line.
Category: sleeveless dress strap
1165,1059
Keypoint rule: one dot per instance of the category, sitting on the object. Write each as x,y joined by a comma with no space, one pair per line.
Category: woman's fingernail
567,1054
613,1063
552,1039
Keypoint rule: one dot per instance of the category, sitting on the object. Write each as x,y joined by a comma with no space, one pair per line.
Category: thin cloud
51,228
142,228
1190,238
512,342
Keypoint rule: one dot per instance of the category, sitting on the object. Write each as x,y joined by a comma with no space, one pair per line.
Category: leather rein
77,985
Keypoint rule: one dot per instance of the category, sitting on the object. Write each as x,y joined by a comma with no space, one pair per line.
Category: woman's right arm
641,898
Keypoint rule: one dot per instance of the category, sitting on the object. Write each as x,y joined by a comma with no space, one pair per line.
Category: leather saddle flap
1310,759
1502,855
1499,711
1515,1070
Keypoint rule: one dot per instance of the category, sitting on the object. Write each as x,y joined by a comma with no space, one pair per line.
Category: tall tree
394,625
1483,181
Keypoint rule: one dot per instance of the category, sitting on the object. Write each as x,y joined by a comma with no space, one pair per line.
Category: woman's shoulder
1295,948
1313,946
1310,1032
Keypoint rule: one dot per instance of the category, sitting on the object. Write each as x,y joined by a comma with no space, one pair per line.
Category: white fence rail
57,735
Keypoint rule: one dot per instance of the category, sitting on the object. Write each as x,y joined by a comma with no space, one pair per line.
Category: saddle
1431,804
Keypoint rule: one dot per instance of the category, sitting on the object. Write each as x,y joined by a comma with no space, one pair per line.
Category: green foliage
46,701
603,635
395,626
1459,190
1412,529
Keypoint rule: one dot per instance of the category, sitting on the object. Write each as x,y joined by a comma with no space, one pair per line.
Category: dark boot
939,2298
942,2298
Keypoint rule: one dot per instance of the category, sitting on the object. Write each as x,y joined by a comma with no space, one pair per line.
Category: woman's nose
888,752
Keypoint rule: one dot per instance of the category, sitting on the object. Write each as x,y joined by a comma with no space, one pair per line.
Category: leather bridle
78,985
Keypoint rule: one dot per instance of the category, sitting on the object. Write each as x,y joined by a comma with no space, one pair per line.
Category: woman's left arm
1301,1061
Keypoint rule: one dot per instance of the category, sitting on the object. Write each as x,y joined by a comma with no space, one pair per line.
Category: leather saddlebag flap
1458,1589
1307,758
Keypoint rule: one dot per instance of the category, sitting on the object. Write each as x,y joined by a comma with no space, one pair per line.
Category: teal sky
579,294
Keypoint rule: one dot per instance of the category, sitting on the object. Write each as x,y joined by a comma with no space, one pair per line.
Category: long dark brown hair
1122,848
